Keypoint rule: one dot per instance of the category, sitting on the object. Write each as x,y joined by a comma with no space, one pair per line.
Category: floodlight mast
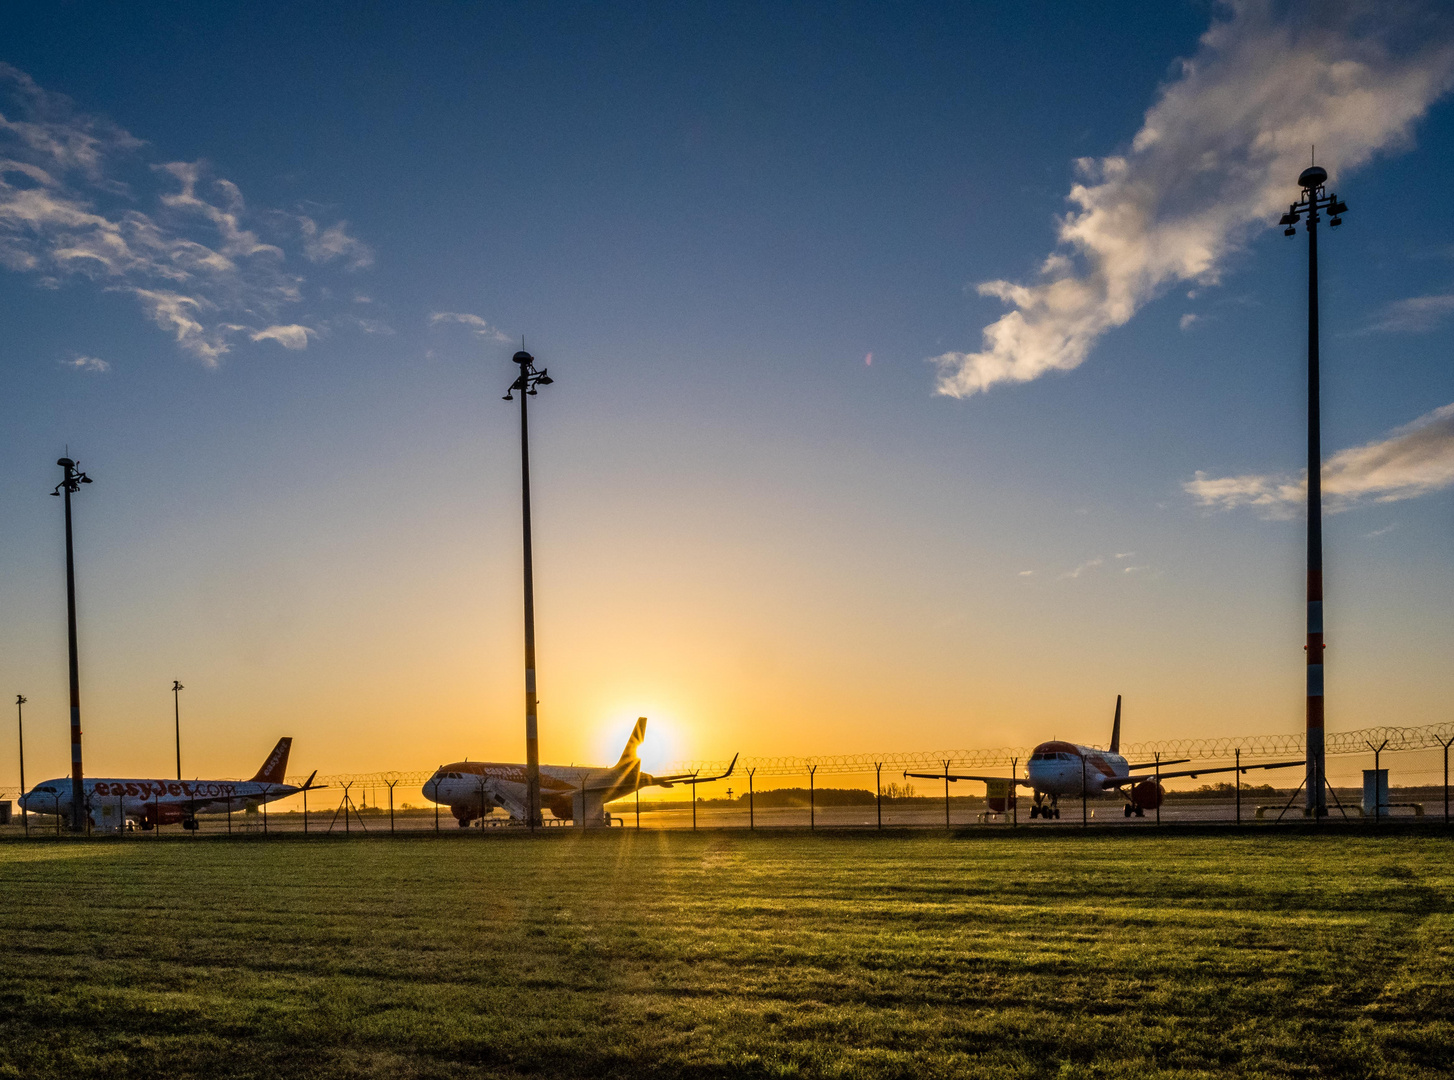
66,488
526,383
1312,180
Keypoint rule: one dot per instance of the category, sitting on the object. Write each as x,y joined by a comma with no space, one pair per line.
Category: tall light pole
177,689
66,488
20,700
526,383
1314,199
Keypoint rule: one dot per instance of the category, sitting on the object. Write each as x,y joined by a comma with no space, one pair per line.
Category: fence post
752,812
391,806
878,785
1014,792
1084,816
1158,787
305,810
1446,781
694,800
1377,796
436,807
812,808
1239,785
946,794
638,804
267,790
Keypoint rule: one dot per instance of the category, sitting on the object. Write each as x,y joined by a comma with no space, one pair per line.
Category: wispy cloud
1413,460
1083,568
334,242
1187,321
1214,161
78,202
87,363
289,337
474,322
1415,315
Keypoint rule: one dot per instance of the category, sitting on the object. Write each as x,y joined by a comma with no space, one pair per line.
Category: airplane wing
967,776
1169,761
682,778
1121,781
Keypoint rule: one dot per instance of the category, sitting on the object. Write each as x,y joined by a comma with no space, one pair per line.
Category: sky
925,375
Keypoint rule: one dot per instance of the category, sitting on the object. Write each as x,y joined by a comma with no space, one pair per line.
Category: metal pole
946,794
752,812
878,784
1314,199
1158,787
528,379
177,689
694,801
812,809
436,806
391,807
1239,785
20,700
305,810
1084,816
267,790
638,804
1446,780
69,484
1014,791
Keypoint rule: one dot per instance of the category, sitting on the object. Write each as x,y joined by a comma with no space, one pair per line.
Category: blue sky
739,238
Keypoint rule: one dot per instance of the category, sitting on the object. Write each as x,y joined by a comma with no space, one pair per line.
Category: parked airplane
579,793
167,802
1061,768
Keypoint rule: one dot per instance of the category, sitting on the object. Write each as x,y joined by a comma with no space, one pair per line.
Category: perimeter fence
371,803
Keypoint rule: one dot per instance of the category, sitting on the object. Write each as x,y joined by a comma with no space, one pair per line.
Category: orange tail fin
276,764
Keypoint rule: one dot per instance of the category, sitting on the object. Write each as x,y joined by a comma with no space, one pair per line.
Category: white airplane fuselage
1062,769
154,801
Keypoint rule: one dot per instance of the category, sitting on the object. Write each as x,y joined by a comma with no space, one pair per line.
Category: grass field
717,955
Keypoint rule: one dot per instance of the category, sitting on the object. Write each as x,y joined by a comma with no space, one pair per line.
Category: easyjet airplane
579,793
167,802
1062,768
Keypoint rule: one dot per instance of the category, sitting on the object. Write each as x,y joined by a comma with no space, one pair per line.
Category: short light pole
20,700
752,813
946,794
69,485
812,802
878,787
177,689
526,383
1314,200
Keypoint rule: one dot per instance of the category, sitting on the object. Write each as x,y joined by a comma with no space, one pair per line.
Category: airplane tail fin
1116,728
637,734
276,764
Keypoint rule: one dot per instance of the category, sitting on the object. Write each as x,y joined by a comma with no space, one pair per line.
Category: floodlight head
1289,231
522,357
544,380
1335,222
532,393
85,479
1312,177
1339,207
508,397
1289,219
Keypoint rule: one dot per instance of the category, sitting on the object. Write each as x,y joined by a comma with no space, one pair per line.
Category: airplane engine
1147,795
561,808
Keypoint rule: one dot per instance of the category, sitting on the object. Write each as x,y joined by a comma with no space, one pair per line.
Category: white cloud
474,322
1215,160
1027,573
1413,460
1088,565
335,243
1187,321
179,241
1416,315
289,337
87,363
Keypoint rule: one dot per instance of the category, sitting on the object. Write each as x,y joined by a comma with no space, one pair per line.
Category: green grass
728,954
